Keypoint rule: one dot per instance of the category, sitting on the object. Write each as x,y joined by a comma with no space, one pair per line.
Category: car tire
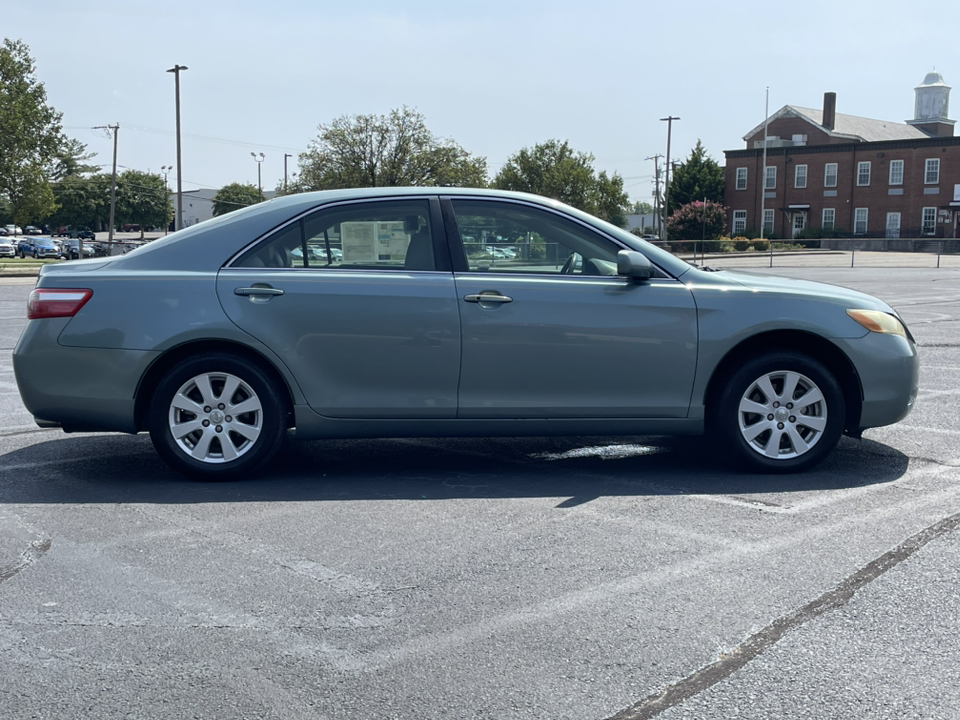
34,254
192,426
781,412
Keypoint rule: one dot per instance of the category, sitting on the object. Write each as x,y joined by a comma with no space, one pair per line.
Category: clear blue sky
495,76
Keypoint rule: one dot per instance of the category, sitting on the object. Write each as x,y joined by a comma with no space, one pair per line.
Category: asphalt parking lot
496,578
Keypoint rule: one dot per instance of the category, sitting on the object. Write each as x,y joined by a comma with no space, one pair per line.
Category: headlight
880,322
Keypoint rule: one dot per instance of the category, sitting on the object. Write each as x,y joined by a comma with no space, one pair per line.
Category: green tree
142,198
32,142
556,170
697,220
81,201
386,151
641,208
235,196
697,178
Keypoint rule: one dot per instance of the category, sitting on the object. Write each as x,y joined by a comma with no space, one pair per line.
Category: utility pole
666,182
176,69
113,182
285,156
656,194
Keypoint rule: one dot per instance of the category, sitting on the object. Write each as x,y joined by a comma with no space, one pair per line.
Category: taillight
56,302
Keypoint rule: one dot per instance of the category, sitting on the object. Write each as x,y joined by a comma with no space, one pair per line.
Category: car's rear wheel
782,412
216,417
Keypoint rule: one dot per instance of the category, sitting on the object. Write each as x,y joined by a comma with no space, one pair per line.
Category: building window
860,221
932,176
741,178
830,175
767,223
929,226
739,221
863,173
800,176
829,218
896,172
771,178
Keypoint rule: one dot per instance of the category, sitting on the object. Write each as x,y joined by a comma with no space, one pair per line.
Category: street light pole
285,156
179,220
165,169
666,182
259,182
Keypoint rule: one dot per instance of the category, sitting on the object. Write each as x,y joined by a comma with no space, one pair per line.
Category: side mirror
634,264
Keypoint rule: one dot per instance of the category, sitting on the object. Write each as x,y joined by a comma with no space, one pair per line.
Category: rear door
358,300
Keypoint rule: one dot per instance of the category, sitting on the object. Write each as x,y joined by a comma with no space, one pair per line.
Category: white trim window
741,178
896,172
768,223
863,173
800,176
860,216
893,224
739,221
770,182
928,224
829,218
830,175
932,174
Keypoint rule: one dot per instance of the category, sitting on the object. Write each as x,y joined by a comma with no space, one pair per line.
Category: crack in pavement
729,663
27,558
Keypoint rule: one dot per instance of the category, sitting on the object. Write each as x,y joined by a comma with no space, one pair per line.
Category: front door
551,331
799,223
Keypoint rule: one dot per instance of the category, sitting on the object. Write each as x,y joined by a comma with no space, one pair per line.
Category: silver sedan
381,313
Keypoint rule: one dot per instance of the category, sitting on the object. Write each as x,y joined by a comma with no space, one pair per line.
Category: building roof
850,127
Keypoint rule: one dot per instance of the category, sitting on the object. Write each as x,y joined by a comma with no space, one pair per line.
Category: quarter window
391,235
932,174
830,175
863,173
739,221
896,172
800,176
860,221
500,237
741,178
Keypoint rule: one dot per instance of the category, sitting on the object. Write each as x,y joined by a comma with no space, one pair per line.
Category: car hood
779,285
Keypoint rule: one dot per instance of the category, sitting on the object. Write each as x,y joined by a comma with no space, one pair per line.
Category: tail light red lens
56,302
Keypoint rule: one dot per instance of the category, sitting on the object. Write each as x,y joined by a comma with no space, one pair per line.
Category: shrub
741,244
761,245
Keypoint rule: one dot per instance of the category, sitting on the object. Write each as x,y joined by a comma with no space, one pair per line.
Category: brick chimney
829,110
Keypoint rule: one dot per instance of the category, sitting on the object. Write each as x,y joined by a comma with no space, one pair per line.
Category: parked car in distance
131,227
14,230
32,230
85,234
7,248
4,232
45,248
68,249
221,337
25,246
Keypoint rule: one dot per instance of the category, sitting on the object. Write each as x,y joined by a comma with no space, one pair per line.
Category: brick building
849,175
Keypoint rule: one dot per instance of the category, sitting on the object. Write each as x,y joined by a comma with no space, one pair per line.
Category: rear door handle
488,297
257,290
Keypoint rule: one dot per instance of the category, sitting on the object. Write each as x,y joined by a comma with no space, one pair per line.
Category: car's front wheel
781,412
216,417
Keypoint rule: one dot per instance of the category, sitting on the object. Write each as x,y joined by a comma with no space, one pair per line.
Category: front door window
799,223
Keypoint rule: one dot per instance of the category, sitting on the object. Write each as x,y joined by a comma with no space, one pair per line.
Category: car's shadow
117,468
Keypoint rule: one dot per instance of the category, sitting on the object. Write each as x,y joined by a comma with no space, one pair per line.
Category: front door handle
488,296
257,290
